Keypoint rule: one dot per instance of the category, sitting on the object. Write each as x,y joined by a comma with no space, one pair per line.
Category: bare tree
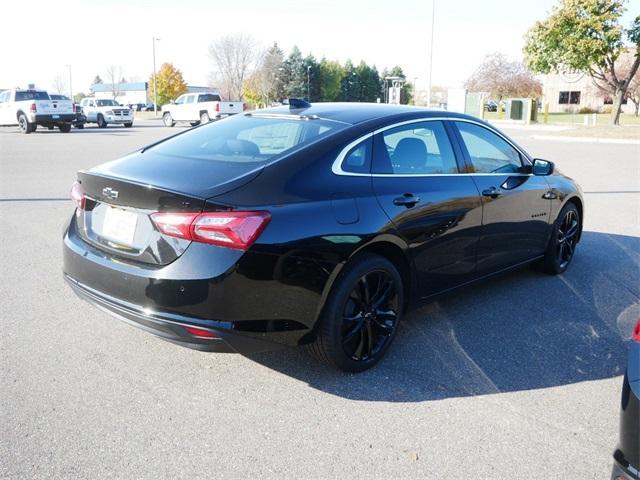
622,69
114,74
59,84
503,78
234,59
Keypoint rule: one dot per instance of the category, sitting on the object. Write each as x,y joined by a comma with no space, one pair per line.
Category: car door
176,108
90,110
433,207
516,204
189,109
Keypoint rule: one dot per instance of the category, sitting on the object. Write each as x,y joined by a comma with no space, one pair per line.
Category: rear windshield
208,97
107,103
31,95
246,139
58,97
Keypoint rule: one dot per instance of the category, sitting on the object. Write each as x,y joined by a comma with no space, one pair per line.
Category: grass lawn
573,118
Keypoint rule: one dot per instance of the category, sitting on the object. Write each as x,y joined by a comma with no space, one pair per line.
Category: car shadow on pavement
520,331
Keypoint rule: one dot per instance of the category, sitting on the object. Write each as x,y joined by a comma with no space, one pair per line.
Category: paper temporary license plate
119,225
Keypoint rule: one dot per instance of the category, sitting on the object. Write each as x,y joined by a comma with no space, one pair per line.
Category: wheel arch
20,112
577,201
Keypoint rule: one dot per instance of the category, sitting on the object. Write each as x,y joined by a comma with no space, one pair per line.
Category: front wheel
128,125
361,316
563,241
101,122
168,120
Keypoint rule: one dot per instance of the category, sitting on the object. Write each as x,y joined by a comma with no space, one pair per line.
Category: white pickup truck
198,108
104,111
30,108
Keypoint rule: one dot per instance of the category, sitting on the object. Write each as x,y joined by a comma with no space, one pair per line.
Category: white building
572,92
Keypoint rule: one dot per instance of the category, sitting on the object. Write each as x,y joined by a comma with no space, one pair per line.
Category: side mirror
542,167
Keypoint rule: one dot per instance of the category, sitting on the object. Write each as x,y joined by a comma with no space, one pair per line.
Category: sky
90,35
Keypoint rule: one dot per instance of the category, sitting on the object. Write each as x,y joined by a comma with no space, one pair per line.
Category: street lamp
308,83
155,84
70,85
433,16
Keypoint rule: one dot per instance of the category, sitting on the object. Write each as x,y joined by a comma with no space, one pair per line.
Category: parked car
491,106
312,224
626,457
30,108
80,118
198,108
104,111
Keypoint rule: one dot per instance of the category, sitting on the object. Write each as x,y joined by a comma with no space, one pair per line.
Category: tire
50,128
563,241
80,126
168,120
361,315
128,125
101,121
204,118
24,125
65,127
194,124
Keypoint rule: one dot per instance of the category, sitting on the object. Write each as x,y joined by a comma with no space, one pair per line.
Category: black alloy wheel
567,238
370,316
361,316
563,242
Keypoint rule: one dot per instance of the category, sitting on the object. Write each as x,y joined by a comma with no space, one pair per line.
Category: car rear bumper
252,301
627,455
43,119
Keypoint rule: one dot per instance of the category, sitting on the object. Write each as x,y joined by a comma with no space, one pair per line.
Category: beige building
572,92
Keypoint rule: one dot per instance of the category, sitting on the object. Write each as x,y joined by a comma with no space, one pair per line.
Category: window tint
358,158
190,99
209,97
415,149
244,139
489,153
31,95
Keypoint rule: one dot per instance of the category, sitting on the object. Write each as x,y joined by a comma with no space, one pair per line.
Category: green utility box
523,110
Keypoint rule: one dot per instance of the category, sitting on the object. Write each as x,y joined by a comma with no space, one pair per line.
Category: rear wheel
65,127
80,125
194,124
25,125
361,316
204,117
564,239
101,122
168,120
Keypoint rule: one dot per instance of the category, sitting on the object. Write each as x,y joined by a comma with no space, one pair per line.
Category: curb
621,141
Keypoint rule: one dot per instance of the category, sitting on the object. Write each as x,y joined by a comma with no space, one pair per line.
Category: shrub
587,110
607,109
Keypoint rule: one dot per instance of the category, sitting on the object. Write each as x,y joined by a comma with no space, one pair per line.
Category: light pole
433,16
155,84
70,84
308,83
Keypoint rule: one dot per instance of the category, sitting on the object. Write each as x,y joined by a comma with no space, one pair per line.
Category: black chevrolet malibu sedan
626,464
312,224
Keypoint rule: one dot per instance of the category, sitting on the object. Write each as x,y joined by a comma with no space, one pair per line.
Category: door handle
492,192
407,200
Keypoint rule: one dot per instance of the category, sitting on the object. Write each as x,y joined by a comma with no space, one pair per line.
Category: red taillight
218,107
77,195
33,108
636,332
228,229
198,332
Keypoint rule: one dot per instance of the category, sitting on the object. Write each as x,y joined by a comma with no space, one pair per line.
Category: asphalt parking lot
517,378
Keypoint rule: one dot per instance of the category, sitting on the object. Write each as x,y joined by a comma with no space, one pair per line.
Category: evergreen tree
295,75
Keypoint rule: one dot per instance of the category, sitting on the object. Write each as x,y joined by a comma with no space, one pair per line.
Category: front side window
180,100
488,152
190,99
415,149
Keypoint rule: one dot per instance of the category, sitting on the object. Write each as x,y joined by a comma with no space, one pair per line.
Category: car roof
354,113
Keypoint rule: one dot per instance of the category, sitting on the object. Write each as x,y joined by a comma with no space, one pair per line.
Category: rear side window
489,153
31,95
208,97
358,159
415,149
246,139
